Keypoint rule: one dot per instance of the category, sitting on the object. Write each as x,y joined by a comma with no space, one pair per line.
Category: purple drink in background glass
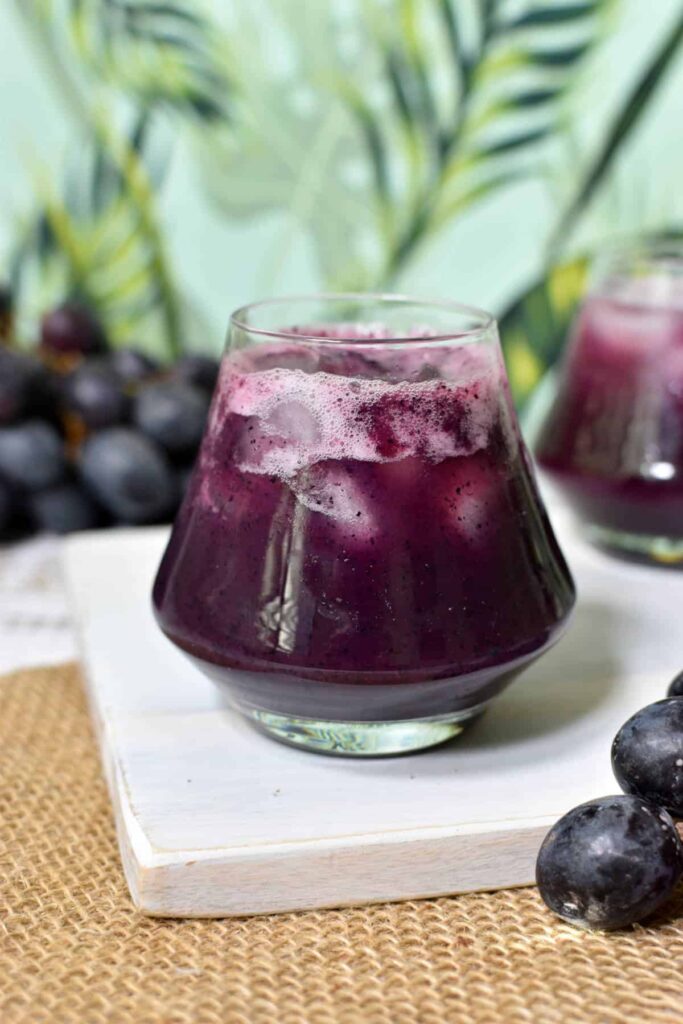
362,557
613,439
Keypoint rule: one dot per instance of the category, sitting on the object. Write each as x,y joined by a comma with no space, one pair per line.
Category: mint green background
485,258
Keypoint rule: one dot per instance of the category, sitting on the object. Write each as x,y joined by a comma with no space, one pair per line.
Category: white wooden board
215,819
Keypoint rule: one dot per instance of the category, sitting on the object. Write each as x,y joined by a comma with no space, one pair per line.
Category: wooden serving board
215,819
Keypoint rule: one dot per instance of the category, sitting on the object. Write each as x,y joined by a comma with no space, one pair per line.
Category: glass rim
628,255
485,322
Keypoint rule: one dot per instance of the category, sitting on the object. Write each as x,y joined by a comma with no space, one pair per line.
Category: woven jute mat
74,950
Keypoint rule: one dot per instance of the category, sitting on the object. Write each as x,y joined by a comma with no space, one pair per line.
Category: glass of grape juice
612,441
362,558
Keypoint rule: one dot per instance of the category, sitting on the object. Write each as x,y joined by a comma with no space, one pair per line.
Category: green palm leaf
298,158
157,53
439,116
457,144
555,15
518,79
99,240
534,329
629,115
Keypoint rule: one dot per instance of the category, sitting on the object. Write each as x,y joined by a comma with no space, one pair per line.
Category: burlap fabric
73,949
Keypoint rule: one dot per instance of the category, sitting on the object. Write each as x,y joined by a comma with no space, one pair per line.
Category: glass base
644,547
362,739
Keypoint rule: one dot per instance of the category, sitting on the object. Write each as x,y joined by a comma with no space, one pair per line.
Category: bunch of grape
613,861
90,436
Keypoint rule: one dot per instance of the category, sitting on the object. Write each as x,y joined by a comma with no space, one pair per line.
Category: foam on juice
303,426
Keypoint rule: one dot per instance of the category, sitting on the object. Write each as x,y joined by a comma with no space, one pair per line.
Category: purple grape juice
362,540
613,439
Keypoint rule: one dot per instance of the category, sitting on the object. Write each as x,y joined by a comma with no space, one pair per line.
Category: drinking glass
613,438
362,558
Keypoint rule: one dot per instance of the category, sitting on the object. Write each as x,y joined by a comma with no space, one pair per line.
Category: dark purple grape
676,686
199,370
23,385
173,414
31,455
94,392
6,310
609,862
63,509
183,476
72,328
129,475
647,755
6,506
132,366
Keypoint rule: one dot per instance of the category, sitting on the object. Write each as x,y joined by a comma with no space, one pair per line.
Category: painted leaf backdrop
439,104
370,125
96,237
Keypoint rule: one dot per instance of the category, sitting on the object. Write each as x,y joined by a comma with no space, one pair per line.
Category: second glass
362,557
612,440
